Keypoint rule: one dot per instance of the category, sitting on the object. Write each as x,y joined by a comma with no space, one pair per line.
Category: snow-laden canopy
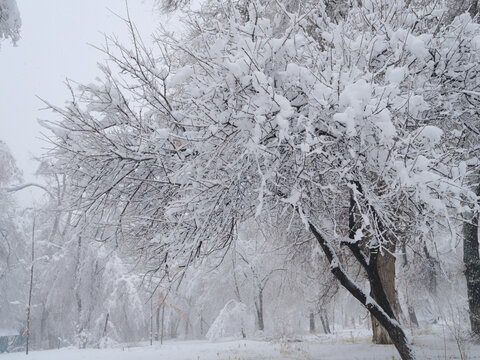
351,122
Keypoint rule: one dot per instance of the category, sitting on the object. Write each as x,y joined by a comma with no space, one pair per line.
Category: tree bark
471,259
383,315
259,307
386,270
380,270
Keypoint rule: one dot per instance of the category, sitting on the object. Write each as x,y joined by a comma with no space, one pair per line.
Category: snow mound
234,321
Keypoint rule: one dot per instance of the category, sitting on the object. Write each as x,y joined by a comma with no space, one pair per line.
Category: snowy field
336,347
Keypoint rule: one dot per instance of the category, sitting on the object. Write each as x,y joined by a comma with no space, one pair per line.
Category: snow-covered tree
337,119
13,252
84,291
88,278
10,22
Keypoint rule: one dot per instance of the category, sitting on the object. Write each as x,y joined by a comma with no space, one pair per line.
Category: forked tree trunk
380,270
383,313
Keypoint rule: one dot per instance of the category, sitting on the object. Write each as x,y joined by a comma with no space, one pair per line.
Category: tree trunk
471,259
81,325
151,320
27,327
412,316
187,326
411,310
163,322
327,324
312,322
380,270
324,321
383,313
105,327
259,307
44,336
386,270
431,275
157,323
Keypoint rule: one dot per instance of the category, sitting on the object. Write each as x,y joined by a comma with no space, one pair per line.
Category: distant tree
10,22
102,284
13,251
10,172
171,5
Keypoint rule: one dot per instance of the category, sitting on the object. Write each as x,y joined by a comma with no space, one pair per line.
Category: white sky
54,46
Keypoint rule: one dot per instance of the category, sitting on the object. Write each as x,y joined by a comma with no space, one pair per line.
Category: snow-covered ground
347,345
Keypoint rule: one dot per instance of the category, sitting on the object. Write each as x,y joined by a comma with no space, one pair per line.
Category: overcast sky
54,46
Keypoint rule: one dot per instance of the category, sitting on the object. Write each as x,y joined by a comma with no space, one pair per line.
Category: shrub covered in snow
234,321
